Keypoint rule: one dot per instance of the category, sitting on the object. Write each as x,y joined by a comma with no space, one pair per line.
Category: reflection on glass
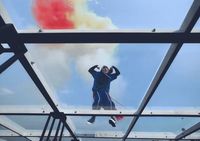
29,122
174,125
180,86
13,139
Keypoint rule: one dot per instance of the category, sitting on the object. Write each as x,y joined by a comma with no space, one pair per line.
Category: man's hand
96,66
116,70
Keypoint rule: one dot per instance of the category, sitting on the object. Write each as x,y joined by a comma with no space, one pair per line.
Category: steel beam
50,130
186,27
61,133
45,128
57,131
18,46
8,63
106,37
107,135
189,131
14,127
31,110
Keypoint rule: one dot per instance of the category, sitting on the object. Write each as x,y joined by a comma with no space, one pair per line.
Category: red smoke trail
53,14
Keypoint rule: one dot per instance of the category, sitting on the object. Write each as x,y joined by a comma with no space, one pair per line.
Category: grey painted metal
188,23
107,37
32,110
4,50
19,47
2,23
57,130
8,63
112,135
50,130
189,131
191,17
45,128
61,133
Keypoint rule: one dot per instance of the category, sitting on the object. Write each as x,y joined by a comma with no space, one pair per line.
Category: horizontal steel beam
31,110
106,37
105,135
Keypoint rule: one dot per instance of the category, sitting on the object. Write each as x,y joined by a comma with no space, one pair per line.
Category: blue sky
137,62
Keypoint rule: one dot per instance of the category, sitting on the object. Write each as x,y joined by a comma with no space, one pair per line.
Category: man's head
105,69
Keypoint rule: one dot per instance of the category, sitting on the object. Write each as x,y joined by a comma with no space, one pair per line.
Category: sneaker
112,122
91,120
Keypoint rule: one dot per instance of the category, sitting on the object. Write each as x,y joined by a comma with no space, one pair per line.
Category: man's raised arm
117,72
91,70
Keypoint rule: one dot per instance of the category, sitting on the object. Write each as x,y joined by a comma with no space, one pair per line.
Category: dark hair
104,67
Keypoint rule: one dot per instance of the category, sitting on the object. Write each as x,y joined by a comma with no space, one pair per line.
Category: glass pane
32,125
65,68
2,128
195,135
13,139
173,125
165,124
98,14
18,89
96,139
4,57
29,122
101,126
196,27
180,86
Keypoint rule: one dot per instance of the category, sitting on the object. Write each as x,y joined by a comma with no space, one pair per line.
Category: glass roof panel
65,68
180,86
195,135
2,128
101,126
196,27
98,14
18,89
37,122
164,124
13,139
91,139
4,57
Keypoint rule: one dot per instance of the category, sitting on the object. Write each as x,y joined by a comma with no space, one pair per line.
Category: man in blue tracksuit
100,89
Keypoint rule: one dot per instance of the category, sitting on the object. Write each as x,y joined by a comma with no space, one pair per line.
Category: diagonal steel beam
14,127
189,131
19,47
8,63
187,25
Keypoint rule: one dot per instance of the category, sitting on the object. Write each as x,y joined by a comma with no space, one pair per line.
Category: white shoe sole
89,123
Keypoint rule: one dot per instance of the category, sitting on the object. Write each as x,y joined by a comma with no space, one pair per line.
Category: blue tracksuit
101,87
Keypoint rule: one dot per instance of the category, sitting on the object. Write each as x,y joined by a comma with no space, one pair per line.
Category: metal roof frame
16,41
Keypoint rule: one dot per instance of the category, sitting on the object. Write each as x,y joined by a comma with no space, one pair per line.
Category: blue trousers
102,100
